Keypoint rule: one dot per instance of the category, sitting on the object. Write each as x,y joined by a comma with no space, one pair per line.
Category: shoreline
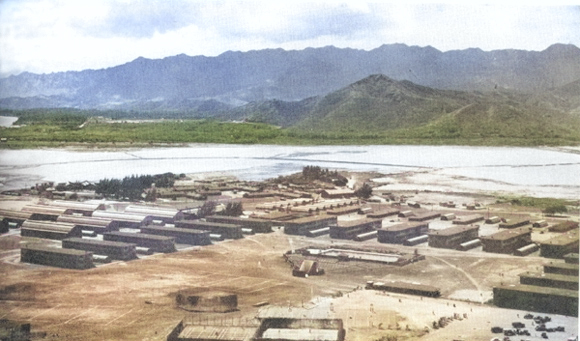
113,146
524,177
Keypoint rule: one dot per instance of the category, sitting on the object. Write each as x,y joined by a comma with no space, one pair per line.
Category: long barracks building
399,233
507,241
453,237
303,225
257,225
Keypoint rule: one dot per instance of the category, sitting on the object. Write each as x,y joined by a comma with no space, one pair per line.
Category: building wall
514,224
558,250
183,236
300,228
552,301
468,220
166,244
506,245
228,231
398,236
425,217
50,234
349,232
46,256
115,250
3,225
562,269
452,241
555,281
259,226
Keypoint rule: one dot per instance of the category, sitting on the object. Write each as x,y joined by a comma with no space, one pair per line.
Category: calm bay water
7,121
521,166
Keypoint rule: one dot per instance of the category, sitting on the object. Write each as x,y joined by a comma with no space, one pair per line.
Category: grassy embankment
534,202
559,207
62,128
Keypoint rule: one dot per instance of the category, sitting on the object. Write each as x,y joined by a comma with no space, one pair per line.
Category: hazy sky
44,36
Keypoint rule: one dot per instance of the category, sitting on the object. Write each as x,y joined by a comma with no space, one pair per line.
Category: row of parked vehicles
519,328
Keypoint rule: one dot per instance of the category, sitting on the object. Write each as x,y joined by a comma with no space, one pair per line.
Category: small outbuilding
307,268
207,301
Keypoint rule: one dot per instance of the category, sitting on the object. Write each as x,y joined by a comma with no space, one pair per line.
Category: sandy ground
412,317
434,180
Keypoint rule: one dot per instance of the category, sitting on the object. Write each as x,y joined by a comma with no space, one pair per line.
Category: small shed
307,268
493,220
406,214
540,223
207,301
448,216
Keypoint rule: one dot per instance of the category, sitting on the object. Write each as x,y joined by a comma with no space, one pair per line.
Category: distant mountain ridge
210,85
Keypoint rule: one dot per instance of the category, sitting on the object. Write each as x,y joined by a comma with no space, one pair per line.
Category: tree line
134,187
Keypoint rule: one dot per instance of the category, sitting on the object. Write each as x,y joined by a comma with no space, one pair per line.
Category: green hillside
401,109
279,113
379,103
375,110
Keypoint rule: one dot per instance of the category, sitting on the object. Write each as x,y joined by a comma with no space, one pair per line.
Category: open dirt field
136,300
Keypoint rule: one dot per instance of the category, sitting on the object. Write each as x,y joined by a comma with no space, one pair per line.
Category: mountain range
209,85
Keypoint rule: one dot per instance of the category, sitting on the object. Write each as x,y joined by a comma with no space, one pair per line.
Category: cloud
58,35
139,19
282,22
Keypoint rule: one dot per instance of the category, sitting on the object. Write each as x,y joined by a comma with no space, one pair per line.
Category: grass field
51,134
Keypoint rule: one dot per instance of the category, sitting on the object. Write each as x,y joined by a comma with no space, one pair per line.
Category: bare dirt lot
136,300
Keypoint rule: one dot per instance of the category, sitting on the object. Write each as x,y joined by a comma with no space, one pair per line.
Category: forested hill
381,104
376,109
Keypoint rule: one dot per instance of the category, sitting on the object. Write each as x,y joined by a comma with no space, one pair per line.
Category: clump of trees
312,173
207,209
555,209
232,209
133,187
75,186
364,192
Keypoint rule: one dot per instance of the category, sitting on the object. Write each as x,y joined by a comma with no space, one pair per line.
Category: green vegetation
364,192
542,203
207,209
189,131
555,209
59,128
28,116
233,209
373,111
134,187
318,173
